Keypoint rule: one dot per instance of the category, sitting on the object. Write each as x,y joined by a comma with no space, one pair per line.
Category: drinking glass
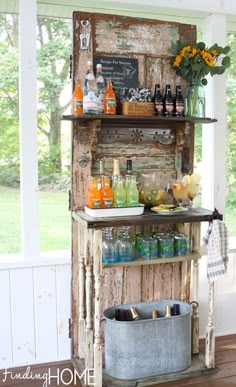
126,245
193,184
180,192
109,246
193,189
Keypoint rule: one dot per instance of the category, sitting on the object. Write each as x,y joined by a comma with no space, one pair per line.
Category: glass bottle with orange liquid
109,99
106,192
93,195
77,100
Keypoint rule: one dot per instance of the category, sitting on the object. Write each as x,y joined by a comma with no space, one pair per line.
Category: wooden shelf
121,119
142,262
149,217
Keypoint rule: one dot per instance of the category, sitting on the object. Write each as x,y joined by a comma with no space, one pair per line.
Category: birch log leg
210,332
97,266
89,300
81,254
195,230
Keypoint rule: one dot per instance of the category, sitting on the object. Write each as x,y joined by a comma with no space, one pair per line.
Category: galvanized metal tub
147,347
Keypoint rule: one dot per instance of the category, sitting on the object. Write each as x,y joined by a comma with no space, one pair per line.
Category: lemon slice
166,206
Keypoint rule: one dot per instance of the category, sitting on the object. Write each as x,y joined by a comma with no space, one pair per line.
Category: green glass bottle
132,194
119,192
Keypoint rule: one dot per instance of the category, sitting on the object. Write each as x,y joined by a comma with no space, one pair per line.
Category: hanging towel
217,241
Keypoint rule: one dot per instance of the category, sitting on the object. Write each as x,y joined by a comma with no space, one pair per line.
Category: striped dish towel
217,241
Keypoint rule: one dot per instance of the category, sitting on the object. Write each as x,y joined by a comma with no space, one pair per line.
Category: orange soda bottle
93,195
106,192
109,99
77,100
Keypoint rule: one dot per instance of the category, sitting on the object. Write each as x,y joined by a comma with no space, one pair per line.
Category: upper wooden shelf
119,119
197,214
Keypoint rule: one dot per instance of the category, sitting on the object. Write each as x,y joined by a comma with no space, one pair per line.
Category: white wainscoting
35,308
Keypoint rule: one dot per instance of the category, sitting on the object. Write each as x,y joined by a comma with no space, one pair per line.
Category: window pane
54,97
231,140
10,234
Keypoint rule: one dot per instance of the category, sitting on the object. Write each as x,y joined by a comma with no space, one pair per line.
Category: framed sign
122,71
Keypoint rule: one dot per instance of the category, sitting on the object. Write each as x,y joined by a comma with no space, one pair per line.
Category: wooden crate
137,108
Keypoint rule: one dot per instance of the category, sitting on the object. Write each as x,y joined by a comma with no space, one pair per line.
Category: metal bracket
165,136
83,160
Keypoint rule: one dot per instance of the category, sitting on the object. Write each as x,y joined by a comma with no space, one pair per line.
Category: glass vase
195,100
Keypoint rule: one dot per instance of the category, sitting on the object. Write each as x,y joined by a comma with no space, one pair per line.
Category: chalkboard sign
122,71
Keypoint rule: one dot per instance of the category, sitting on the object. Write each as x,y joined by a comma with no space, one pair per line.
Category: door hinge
71,61
70,327
69,194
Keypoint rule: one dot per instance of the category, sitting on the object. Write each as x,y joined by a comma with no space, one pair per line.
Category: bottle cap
116,167
99,66
129,165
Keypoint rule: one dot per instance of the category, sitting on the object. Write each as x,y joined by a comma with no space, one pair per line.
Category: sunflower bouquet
194,62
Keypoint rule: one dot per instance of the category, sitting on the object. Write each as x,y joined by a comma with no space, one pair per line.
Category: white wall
35,308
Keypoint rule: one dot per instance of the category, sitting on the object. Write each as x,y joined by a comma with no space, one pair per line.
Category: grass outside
55,230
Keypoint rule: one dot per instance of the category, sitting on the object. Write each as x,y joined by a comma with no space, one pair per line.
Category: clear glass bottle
116,172
126,246
168,102
100,87
90,100
101,174
109,246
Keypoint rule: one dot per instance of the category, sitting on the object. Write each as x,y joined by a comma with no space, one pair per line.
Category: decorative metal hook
85,34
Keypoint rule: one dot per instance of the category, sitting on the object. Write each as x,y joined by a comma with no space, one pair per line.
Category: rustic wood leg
195,315
97,256
81,254
89,300
210,332
195,231
184,281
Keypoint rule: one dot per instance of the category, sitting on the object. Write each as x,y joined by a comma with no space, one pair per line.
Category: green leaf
226,50
201,46
204,81
226,61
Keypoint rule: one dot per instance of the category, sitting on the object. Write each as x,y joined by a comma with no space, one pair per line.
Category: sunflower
208,58
177,61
